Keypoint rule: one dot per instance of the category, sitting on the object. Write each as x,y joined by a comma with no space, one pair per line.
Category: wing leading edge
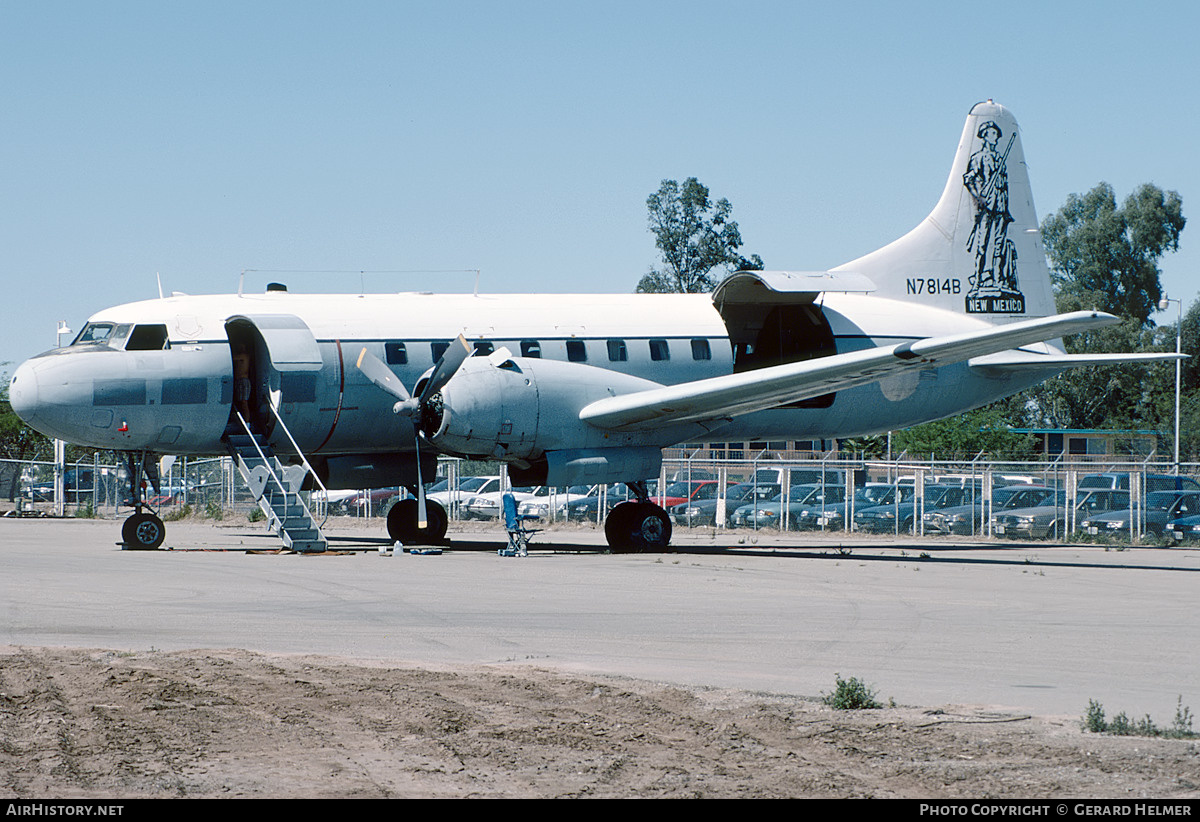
736,394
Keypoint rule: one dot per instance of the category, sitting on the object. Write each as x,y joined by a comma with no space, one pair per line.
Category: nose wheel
143,532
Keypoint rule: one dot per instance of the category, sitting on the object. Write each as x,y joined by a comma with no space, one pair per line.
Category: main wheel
402,523
637,527
143,532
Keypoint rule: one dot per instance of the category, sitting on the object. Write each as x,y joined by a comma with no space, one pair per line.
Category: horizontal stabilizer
1031,361
749,391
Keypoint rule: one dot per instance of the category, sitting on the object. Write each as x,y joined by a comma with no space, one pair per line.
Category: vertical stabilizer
979,251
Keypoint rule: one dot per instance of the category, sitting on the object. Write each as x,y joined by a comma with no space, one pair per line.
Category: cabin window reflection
659,351
395,353
576,351
531,348
148,338
483,348
617,351
700,350
437,349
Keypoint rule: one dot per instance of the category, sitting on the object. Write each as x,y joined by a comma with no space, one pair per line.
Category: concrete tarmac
927,622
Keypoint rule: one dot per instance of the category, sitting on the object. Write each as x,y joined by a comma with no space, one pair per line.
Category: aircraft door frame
277,344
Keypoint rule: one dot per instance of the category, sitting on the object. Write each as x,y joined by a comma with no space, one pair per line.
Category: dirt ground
105,724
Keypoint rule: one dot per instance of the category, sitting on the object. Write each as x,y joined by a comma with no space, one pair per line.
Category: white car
452,499
486,504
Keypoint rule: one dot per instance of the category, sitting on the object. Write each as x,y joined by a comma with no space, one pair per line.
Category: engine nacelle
519,408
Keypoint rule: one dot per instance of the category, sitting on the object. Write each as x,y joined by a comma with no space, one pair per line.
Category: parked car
1184,529
967,519
1152,482
773,513
832,516
1159,508
1049,520
608,496
704,512
486,505
452,498
554,501
687,491
899,516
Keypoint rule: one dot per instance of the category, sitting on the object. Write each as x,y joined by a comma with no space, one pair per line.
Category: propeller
412,407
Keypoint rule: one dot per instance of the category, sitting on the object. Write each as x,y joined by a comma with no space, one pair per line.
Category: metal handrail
304,461
262,455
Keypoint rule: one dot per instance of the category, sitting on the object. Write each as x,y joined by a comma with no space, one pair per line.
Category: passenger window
700,350
659,350
483,348
437,349
576,351
617,351
147,338
531,348
395,353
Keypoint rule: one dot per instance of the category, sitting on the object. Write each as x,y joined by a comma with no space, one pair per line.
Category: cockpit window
94,334
147,338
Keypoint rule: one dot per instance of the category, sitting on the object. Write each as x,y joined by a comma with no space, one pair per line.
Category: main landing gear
402,523
638,526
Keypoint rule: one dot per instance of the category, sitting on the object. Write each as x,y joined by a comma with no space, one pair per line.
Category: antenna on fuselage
241,281
158,276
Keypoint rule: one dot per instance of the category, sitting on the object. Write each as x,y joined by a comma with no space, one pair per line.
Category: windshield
94,334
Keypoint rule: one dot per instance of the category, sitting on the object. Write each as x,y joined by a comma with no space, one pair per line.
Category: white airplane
574,389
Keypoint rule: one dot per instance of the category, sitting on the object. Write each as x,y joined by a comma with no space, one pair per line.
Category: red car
678,492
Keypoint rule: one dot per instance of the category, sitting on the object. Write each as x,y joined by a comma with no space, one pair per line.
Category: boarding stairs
276,489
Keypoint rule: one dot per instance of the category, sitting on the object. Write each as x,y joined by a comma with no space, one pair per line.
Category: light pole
60,447
1163,305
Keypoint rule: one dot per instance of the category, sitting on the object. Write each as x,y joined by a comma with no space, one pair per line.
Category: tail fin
979,251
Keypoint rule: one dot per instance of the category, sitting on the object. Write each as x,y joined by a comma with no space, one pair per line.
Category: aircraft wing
1033,361
736,394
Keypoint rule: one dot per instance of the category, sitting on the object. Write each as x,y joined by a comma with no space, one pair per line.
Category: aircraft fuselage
171,389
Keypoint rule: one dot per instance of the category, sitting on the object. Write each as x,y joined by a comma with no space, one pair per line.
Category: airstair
276,489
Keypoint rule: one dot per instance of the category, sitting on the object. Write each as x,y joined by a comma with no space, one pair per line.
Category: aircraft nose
23,393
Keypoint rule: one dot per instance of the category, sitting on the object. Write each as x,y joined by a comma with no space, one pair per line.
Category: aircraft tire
637,527
402,523
143,532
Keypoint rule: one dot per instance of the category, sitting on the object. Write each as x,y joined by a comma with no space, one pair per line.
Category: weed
182,512
213,511
256,515
850,695
85,512
1122,725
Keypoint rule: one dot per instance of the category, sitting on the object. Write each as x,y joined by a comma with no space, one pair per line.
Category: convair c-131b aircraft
572,389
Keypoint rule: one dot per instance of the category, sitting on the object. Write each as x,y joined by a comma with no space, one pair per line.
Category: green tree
696,238
963,436
1104,256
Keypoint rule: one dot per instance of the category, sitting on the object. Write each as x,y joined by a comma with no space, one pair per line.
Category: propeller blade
421,516
447,367
382,376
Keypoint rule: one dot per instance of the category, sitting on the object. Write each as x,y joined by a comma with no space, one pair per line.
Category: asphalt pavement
930,622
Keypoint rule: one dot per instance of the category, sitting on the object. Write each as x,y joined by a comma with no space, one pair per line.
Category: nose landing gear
142,530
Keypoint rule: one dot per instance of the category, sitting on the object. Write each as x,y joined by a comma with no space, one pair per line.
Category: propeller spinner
408,405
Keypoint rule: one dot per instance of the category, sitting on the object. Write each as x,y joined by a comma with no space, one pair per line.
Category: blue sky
197,139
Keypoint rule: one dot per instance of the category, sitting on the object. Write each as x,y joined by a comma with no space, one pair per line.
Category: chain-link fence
1026,500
